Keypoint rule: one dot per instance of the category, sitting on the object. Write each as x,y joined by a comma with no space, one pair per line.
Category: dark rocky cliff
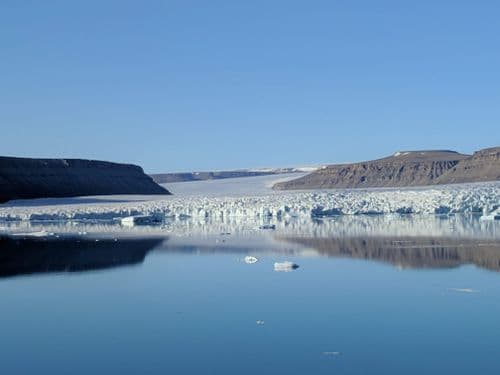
23,178
163,178
406,168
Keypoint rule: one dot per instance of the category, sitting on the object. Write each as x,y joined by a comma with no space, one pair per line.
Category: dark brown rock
22,178
405,168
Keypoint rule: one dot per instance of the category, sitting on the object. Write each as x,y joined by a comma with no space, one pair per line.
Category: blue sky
198,85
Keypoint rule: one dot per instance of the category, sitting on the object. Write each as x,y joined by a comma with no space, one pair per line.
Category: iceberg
131,221
285,266
250,260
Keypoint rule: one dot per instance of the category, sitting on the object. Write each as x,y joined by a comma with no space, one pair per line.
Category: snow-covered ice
254,199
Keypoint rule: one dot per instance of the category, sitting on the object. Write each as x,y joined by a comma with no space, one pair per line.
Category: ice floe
153,219
285,266
250,260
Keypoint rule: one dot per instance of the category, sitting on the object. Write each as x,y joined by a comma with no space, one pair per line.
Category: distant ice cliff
449,199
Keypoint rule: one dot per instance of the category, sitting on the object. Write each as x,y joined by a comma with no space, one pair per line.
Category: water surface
362,301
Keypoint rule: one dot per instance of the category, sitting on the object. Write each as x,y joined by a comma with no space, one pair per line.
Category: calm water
387,304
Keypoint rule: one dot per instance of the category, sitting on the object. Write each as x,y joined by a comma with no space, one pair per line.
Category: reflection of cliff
29,256
411,252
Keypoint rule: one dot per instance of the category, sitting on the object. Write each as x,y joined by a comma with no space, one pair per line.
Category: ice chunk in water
250,260
285,266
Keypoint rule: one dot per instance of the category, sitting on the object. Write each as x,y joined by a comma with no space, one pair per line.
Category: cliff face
162,178
412,168
23,178
484,165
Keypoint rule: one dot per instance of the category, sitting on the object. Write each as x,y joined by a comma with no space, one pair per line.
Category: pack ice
265,203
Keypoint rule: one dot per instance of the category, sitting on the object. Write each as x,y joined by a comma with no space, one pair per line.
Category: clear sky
198,85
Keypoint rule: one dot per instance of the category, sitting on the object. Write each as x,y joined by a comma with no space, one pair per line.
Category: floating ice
250,259
285,266
154,219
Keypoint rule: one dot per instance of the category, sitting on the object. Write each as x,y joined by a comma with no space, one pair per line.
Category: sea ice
250,260
267,204
153,219
285,266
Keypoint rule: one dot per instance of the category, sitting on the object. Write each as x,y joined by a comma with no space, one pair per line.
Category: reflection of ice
490,215
464,290
456,226
331,353
41,233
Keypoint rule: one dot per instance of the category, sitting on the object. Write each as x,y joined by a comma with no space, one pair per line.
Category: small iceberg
260,322
131,221
250,260
285,266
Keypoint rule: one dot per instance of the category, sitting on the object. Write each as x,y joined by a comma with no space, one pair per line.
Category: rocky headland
24,178
404,168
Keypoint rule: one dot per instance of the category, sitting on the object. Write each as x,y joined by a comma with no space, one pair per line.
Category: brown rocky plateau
404,168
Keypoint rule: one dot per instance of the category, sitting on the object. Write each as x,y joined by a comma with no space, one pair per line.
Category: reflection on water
26,255
191,305
29,255
409,252
463,226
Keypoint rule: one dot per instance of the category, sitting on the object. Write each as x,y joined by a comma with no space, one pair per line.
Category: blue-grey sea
373,303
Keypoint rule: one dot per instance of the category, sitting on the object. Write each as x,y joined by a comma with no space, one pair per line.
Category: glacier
254,199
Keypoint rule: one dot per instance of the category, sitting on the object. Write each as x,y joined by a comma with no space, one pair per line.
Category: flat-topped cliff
163,178
484,165
23,178
404,168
